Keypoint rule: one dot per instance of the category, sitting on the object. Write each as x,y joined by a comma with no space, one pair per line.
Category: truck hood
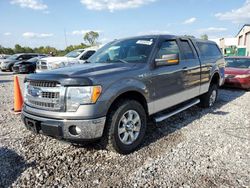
236,71
57,59
84,74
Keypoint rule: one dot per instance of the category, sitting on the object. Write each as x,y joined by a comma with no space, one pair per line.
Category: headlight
243,76
77,96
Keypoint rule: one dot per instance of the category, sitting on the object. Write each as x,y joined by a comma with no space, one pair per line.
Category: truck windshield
124,51
238,63
74,53
13,57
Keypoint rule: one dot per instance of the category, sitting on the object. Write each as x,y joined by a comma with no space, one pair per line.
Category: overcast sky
60,22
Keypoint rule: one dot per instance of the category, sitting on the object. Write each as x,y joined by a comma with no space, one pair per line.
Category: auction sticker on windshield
145,42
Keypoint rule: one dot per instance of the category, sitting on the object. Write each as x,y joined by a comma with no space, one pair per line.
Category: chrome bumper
90,129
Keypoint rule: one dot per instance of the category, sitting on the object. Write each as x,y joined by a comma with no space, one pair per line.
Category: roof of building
242,28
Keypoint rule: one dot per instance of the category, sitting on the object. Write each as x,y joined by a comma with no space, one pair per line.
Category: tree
91,37
18,49
204,37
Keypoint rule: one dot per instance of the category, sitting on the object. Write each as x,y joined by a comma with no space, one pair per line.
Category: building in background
238,46
228,46
243,38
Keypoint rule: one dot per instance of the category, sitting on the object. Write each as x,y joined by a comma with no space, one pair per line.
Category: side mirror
171,59
20,58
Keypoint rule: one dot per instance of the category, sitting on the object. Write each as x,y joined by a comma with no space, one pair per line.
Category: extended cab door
191,68
179,82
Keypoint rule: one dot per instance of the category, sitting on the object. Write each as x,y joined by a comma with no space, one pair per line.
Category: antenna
65,38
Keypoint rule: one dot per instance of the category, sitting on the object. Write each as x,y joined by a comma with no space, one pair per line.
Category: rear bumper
62,129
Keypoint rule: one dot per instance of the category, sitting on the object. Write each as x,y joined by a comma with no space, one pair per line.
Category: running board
168,115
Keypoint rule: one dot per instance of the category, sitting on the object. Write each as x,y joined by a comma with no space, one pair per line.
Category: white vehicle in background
74,57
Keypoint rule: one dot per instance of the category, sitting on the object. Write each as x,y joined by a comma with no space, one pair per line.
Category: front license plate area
32,125
51,130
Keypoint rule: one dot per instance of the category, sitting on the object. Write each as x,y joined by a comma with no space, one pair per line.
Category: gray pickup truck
112,96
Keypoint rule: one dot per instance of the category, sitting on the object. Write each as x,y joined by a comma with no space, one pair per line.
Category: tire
11,69
126,120
208,99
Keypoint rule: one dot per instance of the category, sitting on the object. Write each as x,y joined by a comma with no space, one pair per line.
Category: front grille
50,95
42,65
47,95
44,83
43,104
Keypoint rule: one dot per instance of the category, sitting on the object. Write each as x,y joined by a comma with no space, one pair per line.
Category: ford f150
126,81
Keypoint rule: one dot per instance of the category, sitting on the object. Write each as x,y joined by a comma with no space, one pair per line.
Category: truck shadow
12,165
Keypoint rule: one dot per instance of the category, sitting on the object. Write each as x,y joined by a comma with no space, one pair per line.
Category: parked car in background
75,57
7,64
125,82
237,72
4,56
27,66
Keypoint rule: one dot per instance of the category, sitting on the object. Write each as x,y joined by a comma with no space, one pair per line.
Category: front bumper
243,83
23,69
16,69
90,129
4,66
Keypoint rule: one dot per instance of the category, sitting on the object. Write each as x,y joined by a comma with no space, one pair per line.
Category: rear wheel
208,99
126,126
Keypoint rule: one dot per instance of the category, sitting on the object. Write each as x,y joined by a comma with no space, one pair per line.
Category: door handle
184,68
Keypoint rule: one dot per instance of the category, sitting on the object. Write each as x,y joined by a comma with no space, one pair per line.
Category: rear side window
187,50
209,50
167,48
87,55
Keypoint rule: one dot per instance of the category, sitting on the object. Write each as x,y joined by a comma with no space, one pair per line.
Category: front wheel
126,126
208,99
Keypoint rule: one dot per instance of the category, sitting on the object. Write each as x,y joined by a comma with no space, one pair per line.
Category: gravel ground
196,148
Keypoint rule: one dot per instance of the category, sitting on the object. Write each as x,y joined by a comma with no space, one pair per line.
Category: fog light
74,130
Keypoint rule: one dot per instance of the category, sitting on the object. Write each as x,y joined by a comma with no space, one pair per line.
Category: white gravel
196,148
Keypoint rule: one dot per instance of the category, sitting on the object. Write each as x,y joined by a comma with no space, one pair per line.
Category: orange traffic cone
18,99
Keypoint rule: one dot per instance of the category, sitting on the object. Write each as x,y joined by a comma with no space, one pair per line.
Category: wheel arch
130,95
215,79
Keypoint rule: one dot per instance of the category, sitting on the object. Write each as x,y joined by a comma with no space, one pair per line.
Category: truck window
167,48
187,50
209,50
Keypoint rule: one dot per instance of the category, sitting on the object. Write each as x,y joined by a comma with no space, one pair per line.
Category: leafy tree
18,49
204,37
91,37
42,49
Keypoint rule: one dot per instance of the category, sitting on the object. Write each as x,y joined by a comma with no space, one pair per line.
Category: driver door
167,80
